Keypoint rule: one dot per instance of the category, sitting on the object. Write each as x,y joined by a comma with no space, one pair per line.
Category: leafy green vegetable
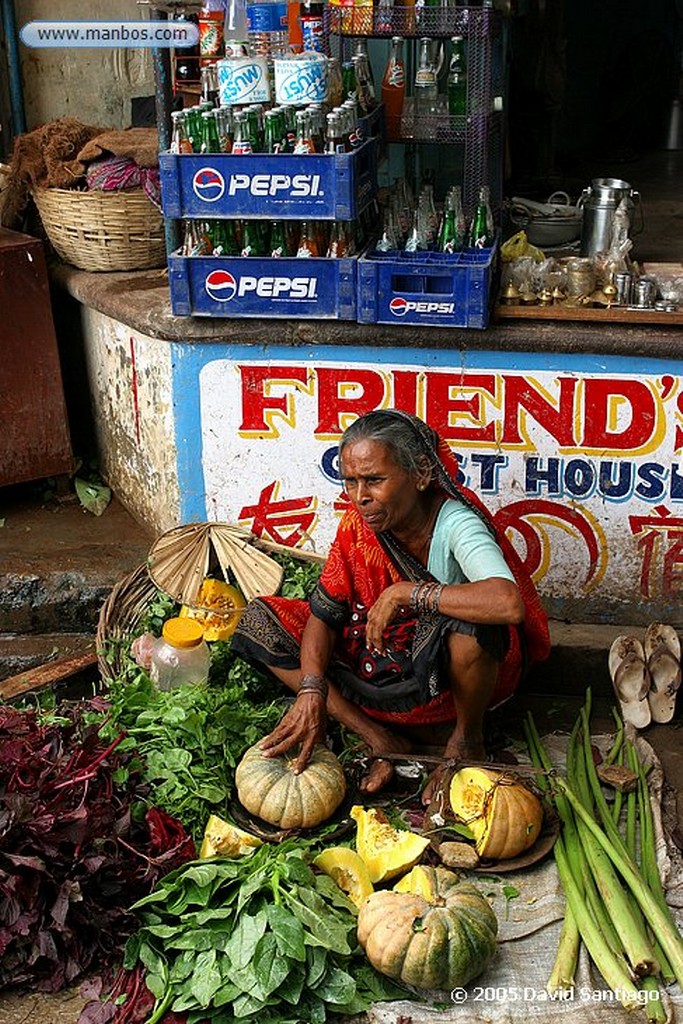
259,938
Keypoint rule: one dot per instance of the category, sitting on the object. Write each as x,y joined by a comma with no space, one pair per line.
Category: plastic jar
180,655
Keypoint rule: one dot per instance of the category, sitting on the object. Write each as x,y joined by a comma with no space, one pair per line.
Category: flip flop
663,653
630,680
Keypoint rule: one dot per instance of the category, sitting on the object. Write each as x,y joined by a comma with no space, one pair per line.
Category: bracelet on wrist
313,683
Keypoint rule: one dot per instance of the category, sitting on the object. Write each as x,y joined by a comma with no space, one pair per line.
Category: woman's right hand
305,723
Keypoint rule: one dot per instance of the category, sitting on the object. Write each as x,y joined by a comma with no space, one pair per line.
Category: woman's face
385,495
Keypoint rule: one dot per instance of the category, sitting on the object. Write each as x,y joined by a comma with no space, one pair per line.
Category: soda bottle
223,119
340,243
349,84
193,124
290,126
223,238
241,142
197,239
335,81
272,137
480,235
384,22
430,215
180,143
426,15
388,240
394,88
235,27
210,142
426,86
256,126
211,18
209,85
417,241
366,100
252,239
316,126
335,135
447,241
312,25
456,86
362,52
308,242
278,240
304,143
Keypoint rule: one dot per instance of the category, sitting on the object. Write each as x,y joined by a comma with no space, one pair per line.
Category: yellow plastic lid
182,632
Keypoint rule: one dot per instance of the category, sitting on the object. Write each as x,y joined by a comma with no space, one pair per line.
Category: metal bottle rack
480,132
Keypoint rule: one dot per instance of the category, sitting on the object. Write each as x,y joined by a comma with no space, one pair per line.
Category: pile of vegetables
79,842
187,742
615,901
259,938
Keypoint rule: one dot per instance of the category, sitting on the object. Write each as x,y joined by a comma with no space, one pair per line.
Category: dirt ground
41,1008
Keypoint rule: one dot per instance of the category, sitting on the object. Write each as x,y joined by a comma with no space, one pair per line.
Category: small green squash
270,788
440,937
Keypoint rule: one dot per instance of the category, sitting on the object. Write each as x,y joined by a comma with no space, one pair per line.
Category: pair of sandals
646,676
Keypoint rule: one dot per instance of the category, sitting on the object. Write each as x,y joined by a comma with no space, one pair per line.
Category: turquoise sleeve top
463,550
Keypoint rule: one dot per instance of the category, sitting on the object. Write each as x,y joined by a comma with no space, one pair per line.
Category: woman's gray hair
395,432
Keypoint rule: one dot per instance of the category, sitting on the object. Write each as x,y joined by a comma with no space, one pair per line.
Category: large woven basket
118,230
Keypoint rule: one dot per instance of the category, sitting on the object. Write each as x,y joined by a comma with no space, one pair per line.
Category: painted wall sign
579,458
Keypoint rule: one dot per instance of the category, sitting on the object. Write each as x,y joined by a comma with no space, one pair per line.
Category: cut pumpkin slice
348,870
223,839
386,851
505,817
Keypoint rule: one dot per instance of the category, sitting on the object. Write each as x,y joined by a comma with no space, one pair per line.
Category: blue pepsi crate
427,288
269,186
232,287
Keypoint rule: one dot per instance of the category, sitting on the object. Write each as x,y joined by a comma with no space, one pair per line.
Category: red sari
409,684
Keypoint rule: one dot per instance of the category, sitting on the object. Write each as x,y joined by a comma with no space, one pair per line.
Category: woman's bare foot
379,774
381,771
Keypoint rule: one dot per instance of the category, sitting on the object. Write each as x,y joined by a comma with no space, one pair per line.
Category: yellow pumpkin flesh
386,851
504,816
438,938
347,869
223,839
218,610
270,788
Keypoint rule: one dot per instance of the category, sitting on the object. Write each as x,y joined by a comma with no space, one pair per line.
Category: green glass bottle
278,240
252,239
456,85
224,238
210,141
481,231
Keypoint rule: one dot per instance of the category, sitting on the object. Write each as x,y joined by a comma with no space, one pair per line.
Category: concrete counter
572,433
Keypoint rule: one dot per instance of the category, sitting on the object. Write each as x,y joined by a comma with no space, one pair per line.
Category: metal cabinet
34,432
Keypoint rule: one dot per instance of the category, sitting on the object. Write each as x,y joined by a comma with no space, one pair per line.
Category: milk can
599,204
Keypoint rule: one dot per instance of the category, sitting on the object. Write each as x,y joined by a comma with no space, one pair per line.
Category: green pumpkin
439,937
270,788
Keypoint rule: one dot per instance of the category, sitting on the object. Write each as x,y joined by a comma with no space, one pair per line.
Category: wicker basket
103,230
129,600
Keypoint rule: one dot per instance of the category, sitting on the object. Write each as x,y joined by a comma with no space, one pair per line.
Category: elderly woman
421,616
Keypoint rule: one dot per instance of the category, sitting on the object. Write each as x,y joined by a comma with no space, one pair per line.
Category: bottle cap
183,632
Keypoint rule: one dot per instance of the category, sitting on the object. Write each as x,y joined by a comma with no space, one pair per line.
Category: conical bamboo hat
179,561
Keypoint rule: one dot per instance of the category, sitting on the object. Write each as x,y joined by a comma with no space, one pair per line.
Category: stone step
578,659
21,652
51,602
